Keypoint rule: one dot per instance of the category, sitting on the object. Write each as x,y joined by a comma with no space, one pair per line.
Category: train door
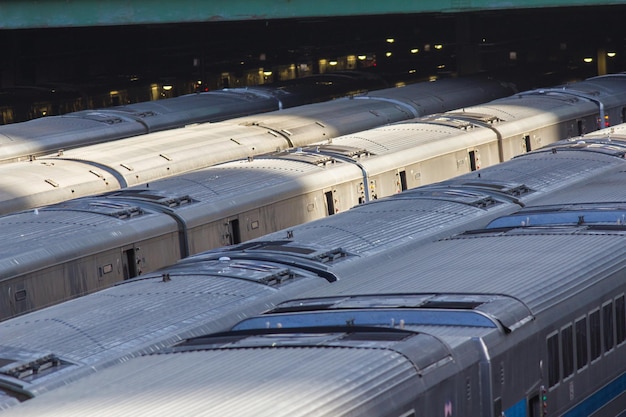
534,409
474,160
330,202
401,183
232,232
130,262
527,144
581,127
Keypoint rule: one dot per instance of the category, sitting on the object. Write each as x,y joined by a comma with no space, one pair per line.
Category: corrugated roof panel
515,265
206,384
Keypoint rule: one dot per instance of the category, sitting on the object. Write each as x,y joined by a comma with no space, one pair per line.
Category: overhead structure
32,14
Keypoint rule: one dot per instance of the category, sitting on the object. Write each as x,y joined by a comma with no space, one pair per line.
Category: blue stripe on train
587,407
600,398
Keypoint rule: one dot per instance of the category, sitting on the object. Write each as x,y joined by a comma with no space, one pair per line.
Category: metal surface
58,13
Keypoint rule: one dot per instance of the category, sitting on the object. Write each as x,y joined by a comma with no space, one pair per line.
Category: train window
582,356
620,319
554,374
595,335
567,350
607,326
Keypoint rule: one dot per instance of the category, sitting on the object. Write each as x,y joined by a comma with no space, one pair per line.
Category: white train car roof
81,128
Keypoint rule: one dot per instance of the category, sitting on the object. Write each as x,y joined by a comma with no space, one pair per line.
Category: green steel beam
29,14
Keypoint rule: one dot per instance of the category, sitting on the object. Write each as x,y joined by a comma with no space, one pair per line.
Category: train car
45,135
523,317
47,349
138,160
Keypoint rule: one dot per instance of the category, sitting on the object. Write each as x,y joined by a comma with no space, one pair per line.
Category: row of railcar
45,135
115,164
497,292
62,251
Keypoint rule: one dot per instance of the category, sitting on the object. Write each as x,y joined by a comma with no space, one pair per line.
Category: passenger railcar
366,247
50,134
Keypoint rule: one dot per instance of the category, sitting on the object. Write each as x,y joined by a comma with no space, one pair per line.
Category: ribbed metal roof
208,384
533,266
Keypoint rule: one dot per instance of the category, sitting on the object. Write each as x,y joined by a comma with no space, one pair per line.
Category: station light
438,46
332,63
588,60
611,54
414,50
390,40
388,54
362,57
167,87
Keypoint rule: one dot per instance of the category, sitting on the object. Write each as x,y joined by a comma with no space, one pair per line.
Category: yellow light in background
412,71
388,54
267,73
438,46
167,87
390,40
588,60
414,50
332,63
611,54
362,57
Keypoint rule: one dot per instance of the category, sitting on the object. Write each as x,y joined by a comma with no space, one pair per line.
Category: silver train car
517,123
44,351
140,229
27,140
112,165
